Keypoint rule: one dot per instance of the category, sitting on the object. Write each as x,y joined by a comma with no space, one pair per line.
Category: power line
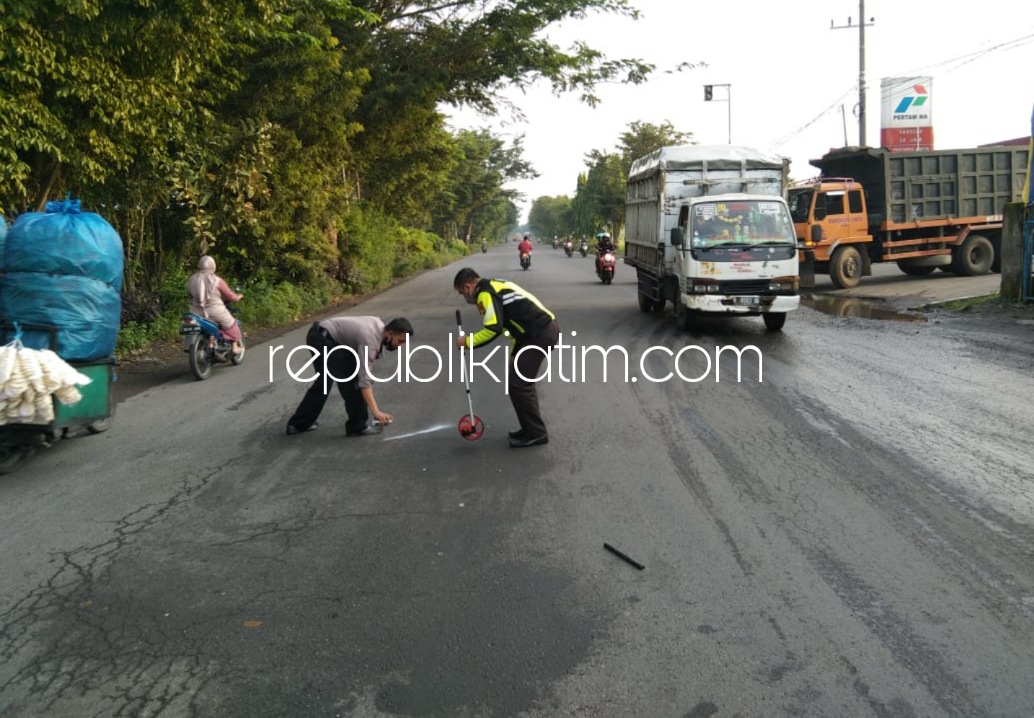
965,59
836,103
961,61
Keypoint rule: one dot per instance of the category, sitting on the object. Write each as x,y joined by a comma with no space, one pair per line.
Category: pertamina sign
906,113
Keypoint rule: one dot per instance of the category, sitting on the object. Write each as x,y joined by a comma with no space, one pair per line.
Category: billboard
906,113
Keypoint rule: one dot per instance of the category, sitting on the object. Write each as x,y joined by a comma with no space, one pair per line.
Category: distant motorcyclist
603,245
525,246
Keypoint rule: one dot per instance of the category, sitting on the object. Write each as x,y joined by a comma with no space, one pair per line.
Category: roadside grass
987,304
991,301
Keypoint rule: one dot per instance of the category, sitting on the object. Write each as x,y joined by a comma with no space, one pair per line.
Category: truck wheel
845,268
774,321
914,271
645,303
684,316
974,257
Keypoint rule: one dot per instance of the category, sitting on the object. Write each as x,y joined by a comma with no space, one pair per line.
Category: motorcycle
583,247
525,260
556,243
605,266
568,248
484,248
206,346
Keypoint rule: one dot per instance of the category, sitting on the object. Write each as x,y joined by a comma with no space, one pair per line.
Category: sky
789,73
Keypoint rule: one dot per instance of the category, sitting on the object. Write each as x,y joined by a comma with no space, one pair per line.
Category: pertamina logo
912,103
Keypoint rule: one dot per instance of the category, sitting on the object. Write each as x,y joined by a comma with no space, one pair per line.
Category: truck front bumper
749,304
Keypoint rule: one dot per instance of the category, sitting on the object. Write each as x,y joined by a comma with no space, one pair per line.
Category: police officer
331,339
504,306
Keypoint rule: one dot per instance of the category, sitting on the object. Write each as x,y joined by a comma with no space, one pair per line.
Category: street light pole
728,89
861,65
709,96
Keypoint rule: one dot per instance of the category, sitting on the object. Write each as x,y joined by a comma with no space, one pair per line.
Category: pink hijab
204,284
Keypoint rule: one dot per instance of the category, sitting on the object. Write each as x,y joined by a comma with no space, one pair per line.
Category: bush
374,251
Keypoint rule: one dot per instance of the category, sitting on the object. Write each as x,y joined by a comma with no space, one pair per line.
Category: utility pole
861,64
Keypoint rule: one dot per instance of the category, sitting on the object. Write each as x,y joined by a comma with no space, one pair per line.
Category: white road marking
436,427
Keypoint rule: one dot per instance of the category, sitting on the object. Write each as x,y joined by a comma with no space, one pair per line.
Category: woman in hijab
208,292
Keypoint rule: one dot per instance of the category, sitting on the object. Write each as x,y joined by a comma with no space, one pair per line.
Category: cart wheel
11,457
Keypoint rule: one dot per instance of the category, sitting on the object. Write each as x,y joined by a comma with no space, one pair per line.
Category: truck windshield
745,223
800,204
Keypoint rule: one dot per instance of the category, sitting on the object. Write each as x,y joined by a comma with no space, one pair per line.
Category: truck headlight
784,284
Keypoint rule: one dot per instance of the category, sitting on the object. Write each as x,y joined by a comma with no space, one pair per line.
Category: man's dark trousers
341,363
523,394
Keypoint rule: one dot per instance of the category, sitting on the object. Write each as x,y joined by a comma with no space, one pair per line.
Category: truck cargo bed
906,187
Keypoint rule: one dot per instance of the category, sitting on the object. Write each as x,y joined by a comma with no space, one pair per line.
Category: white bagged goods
30,380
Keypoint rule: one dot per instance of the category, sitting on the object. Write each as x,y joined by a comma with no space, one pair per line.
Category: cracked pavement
850,536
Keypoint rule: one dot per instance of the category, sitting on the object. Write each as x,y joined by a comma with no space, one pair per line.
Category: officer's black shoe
527,441
370,430
292,429
517,434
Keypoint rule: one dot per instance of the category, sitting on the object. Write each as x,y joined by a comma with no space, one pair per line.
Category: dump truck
707,229
925,210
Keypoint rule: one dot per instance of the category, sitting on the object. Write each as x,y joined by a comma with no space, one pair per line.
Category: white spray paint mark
436,427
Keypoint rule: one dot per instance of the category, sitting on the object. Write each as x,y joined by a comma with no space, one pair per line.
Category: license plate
745,301
189,330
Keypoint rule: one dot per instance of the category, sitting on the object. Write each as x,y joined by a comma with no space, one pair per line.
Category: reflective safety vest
505,306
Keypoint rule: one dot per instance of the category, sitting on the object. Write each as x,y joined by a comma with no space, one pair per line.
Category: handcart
93,414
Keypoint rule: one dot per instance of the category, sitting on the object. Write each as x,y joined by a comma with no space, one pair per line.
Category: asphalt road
850,533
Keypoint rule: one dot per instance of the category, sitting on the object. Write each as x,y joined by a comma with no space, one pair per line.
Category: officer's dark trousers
342,363
523,394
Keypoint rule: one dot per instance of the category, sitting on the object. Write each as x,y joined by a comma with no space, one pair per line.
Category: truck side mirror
816,234
677,238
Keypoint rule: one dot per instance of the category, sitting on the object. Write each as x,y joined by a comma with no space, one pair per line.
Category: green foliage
552,216
600,200
301,143
642,138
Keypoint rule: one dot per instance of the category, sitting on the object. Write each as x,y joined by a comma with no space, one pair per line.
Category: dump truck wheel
845,268
974,257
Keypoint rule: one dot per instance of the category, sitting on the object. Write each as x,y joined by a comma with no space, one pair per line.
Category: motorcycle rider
484,246
603,245
525,246
209,293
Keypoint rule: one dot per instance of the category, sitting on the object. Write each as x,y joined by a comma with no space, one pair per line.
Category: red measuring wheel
471,427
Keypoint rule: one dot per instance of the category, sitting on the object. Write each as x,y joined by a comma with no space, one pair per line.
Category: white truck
708,229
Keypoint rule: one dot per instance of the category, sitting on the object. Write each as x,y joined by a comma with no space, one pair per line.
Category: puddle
857,308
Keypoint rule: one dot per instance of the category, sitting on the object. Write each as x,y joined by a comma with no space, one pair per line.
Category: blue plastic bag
80,307
63,267
65,240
